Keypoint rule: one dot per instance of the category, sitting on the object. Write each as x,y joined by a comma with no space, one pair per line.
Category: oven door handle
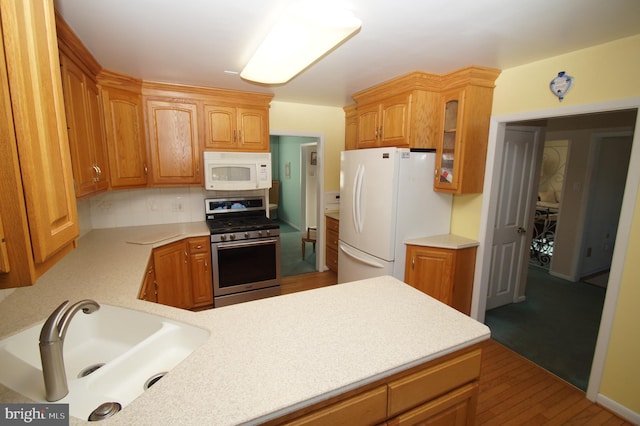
222,246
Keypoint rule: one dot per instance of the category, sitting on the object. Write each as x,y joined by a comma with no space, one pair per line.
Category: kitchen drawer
333,224
332,239
430,383
367,408
457,407
199,245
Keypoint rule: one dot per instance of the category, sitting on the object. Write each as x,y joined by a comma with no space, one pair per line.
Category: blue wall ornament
561,84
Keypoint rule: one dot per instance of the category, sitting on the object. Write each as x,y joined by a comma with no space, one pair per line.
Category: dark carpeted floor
291,262
556,327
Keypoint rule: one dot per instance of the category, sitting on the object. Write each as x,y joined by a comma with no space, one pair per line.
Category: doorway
298,171
490,208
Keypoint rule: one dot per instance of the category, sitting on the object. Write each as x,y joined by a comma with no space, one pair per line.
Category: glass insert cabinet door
448,168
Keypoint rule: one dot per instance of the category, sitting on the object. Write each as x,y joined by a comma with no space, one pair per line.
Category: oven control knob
259,233
246,235
223,237
232,237
268,232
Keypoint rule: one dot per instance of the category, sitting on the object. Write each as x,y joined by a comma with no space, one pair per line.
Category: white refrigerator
386,197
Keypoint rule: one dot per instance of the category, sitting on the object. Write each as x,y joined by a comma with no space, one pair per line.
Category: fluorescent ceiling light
305,33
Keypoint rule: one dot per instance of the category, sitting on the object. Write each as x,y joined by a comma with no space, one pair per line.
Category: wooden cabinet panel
444,274
253,130
368,127
464,132
172,271
351,127
173,143
149,290
394,124
220,130
201,277
331,252
430,383
126,144
39,130
84,124
236,128
443,391
179,274
457,408
430,272
368,408
4,256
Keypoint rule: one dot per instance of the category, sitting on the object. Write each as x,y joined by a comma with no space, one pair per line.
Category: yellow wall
293,117
602,73
621,379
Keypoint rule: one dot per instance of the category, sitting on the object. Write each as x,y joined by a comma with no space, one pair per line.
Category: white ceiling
195,41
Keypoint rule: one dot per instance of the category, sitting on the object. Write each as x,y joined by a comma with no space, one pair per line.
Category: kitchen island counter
264,358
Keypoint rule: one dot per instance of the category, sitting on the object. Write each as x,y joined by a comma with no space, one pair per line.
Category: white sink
128,346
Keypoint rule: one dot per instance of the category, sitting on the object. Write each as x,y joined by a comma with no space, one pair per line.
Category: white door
516,206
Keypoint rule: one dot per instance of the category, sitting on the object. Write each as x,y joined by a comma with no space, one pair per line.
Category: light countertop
334,214
447,241
264,358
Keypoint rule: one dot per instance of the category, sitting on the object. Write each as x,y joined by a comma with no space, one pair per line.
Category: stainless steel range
245,250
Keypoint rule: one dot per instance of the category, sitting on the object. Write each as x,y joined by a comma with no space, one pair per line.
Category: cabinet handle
413,263
239,135
186,256
234,136
206,266
146,169
435,172
380,133
199,246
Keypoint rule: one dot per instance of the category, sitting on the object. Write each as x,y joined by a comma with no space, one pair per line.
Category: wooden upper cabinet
464,133
236,128
350,127
385,123
408,112
86,134
173,142
126,144
37,202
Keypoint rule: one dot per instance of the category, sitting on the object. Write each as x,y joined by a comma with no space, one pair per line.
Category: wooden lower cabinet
443,391
179,275
455,408
444,274
331,251
201,278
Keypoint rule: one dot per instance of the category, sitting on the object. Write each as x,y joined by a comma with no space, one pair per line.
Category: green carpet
556,327
291,262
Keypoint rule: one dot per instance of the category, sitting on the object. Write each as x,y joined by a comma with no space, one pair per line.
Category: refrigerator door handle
346,250
357,198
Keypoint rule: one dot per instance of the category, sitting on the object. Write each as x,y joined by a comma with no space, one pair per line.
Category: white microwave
237,171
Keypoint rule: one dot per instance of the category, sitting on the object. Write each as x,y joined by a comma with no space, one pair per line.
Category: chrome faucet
52,337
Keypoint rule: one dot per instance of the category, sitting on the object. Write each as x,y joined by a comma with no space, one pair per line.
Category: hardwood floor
513,390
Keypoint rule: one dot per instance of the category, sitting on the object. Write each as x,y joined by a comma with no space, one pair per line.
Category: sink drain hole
89,370
104,411
153,380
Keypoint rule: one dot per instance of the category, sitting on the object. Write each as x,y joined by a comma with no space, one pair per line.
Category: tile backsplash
149,206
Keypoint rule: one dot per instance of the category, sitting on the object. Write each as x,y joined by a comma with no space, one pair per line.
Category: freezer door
357,265
368,200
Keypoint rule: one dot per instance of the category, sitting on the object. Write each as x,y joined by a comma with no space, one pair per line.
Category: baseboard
618,409
520,299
